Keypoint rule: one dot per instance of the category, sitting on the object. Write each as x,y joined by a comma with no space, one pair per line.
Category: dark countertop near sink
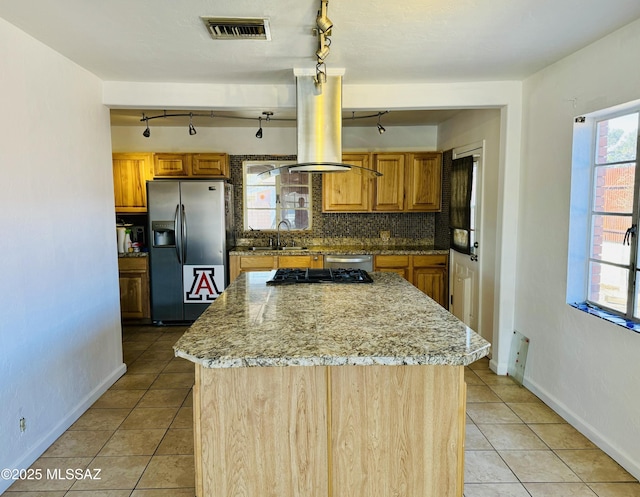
343,250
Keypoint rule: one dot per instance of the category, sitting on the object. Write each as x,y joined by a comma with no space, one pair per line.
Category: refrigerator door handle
175,230
184,234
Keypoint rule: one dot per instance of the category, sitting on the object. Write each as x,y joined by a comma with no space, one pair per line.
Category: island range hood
319,126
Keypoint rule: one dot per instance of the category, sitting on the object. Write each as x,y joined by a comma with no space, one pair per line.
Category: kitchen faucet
288,225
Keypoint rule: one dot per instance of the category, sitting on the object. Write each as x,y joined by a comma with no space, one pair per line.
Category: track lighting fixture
322,21
147,132
380,127
259,132
323,52
192,130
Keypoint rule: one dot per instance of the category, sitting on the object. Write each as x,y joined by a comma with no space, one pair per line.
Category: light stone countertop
387,322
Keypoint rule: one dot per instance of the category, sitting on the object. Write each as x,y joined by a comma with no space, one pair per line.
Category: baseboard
498,368
624,460
45,442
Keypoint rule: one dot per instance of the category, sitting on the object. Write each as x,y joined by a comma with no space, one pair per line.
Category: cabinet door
389,188
348,191
394,264
300,261
424,182
134,288
210,165
433,282
170,165
130,175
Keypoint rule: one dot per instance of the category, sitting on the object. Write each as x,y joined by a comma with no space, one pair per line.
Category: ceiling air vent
233,28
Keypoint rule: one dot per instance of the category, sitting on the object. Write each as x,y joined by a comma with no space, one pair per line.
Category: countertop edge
244,251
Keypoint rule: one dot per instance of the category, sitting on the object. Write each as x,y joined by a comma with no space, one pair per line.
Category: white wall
60,337
465,129
275,141
586,368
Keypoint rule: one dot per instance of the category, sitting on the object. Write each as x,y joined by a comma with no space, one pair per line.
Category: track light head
259,132
380,127
192,130
322,21
147,132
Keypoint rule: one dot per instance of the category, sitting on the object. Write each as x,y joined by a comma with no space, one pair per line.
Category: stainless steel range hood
319,126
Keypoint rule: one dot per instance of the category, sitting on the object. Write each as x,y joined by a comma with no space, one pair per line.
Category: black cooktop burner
313,275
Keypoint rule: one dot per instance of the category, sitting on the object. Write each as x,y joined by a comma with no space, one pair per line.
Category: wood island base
330,431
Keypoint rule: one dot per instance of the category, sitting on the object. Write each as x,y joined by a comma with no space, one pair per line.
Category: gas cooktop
313,275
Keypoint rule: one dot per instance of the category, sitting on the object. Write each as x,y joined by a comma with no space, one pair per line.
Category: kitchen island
329,390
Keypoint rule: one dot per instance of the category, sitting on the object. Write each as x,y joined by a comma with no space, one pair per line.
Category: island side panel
263,431
397,431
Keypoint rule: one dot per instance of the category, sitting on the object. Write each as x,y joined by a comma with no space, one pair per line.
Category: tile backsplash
331,228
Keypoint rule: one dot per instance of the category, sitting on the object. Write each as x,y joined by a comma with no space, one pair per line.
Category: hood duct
319,127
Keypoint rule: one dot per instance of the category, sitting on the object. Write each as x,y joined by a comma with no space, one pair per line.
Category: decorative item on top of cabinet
130,175
134,287
348,191
205,165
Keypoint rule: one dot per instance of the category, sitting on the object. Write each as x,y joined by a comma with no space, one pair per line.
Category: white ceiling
375,41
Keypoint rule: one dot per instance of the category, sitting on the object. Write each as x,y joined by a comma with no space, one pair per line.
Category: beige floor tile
594,466
163,492
78,444
535,412
133,443
475,440
53,474
176,442
494,490
128,356
471,377
561,436
616,489
60,493
100,419
98,493
184,418
146,366
188,402
174,380
490,412
480,364
134,345
490,378
116,473
165,355
481,393
168,472
119,399
148,418
179,365
132,381
482,466
511,437
173,397
559,490
537,466
514,393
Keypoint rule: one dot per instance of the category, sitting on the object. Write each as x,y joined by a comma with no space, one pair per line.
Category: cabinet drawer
300,261
132,263
429,260
391,261
259,262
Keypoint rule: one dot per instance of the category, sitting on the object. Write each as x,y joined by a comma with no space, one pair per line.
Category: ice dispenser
164,234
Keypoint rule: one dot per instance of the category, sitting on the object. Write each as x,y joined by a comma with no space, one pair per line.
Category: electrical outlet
23,425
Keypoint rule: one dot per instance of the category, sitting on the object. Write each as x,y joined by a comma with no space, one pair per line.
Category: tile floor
139,434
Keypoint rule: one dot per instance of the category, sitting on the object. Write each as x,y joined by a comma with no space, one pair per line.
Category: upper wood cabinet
410,182
424,182
213,165
389,188
348,191
130,175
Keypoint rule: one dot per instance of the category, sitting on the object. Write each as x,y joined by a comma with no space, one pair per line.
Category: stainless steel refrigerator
191,229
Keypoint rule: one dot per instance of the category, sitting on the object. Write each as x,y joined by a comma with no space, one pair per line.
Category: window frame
278,190
632,264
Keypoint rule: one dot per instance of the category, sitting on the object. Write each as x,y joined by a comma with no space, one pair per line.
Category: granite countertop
387,322
344,250
133,254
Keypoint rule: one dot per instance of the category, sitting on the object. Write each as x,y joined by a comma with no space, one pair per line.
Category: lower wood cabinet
340,431
134,287
426,272
243,263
